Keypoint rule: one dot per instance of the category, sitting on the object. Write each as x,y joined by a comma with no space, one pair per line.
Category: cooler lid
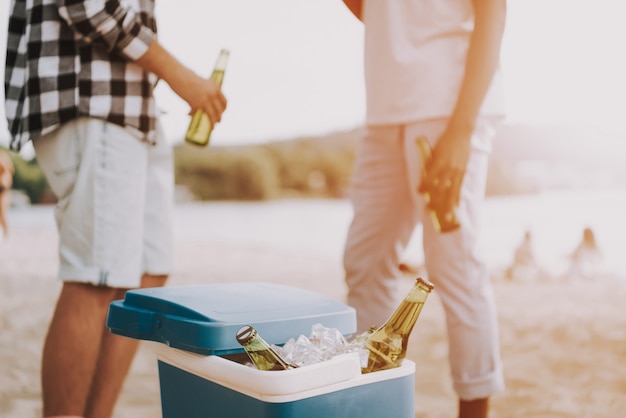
205,318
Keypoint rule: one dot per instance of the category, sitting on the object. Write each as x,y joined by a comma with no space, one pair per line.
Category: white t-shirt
415,53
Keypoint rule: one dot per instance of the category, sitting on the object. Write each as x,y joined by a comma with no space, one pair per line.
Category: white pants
387,208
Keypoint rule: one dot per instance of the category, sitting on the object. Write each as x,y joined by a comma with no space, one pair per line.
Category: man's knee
151,280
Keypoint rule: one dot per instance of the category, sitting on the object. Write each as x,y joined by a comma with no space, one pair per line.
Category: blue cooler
193,331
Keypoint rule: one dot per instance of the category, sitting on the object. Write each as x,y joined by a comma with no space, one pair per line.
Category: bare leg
72,347
116,357
476,408
4,210
6,181
83,365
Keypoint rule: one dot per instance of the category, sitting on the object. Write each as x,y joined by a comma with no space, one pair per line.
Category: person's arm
198,92
6,171
113,26
118,28
451,154
356,7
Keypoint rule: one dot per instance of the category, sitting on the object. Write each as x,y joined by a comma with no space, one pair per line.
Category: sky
295,66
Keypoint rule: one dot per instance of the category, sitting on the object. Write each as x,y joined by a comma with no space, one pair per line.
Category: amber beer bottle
200,127
260,352
444,218
388,344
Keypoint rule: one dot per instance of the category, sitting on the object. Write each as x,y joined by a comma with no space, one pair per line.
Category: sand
563,341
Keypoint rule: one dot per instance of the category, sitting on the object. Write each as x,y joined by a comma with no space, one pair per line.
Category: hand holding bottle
198,92
206,96
441,196
203,120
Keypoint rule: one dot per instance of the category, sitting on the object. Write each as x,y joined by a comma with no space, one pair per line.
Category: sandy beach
563,338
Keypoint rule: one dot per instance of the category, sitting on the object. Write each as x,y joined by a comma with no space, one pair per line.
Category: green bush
337,168
294,161
234,173
303,167
309,167
29,178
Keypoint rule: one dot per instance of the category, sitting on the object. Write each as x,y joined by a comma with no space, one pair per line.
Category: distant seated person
586,260
6,181
524,265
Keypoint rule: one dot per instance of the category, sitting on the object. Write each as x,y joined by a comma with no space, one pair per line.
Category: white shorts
115,202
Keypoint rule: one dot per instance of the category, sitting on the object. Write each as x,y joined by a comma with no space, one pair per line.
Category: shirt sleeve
108,22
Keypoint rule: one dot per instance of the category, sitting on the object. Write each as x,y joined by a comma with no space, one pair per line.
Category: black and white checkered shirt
71,58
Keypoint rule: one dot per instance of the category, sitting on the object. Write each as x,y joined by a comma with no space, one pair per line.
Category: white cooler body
197,386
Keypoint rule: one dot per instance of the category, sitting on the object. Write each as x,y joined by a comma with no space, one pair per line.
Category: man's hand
198,92
446,170
201,93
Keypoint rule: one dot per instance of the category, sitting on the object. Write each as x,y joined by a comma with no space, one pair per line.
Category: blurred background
296,100
267,199
296,65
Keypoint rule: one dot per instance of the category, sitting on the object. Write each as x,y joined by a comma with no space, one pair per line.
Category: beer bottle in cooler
260,352
444,218
200,127
388,344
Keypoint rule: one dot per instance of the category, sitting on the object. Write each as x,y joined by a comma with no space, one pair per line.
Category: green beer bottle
444,218
260,352
388,344
200,127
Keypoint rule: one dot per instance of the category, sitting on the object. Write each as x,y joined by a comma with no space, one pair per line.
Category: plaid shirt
70,58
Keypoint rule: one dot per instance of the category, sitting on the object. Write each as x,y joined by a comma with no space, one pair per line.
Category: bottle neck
222,60
404,317
257,344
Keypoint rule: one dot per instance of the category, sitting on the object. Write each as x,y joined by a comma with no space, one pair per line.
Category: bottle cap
425,283
245,334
